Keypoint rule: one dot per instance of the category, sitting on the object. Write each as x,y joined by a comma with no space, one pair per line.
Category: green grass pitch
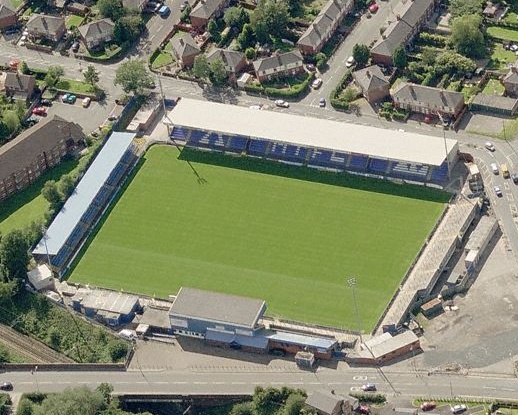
288,235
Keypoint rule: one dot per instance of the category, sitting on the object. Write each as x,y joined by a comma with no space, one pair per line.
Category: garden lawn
28,205
288,235
501,58
73,86
164,58
503,33
74,21
493,87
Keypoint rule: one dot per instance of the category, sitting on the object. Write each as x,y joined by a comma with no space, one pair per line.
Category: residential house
26,157
97,33
428,100
279,65
324,26
19,86
206,10
46,27
409,17
185,49
58,4
510,81
490,10
8,17
373,83
331,403
234,61
134,4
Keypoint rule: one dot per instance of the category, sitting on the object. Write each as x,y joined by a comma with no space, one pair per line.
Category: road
391,383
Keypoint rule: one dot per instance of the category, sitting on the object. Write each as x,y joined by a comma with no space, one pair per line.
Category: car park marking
359,377
355,389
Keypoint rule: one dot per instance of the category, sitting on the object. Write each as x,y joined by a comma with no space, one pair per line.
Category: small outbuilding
41,278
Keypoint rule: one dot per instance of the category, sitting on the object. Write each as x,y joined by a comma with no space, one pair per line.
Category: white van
127,334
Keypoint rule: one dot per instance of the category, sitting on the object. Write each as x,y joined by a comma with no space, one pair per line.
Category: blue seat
378,165
257,147
326,158
409,171
236,143
178,133
358,162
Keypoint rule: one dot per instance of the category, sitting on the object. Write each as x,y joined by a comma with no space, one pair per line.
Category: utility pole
351,283
46,247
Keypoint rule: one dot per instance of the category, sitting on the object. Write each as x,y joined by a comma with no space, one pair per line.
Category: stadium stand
314,142
87,203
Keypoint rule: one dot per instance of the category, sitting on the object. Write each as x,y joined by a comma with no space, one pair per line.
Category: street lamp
351,283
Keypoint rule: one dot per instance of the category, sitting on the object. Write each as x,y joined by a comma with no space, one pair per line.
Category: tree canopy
91,75
128,28
270,17
361,54
466,36
54,73
399,58
111,8
133,76
13,256
201,67
235,17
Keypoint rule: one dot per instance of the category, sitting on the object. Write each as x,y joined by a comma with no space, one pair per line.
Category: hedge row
294,92
375,398
336,102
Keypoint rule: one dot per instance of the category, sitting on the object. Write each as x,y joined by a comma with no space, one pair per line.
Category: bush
375,398
432,39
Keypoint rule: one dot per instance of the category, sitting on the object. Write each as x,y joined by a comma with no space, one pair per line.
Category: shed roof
486,226
217,307
77,204
384,344
256,342
300,339
40,276
110,301
311,132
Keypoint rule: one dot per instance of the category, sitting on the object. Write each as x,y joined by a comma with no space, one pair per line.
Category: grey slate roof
185,46
18,81
110,301
512,76
5,11
370,78
77,204
406,16
408,93
321,26
45,135
99,28
206,8
324,401
45,24
278,61
495,101
231,58
217,307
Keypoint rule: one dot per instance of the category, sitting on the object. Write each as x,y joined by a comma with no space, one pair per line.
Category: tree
250,53
466,36
272,16
213,29
54,73
201,67
106,390
133,76
76,401
235,17
452,62
242,408
185,16
294,404
25,407
66,185
51,193
111,8
128,28
13,256
7,291
24,68
218,71
117,349
91,75
361,54
465,7
428,56
246,38
399,57
11,120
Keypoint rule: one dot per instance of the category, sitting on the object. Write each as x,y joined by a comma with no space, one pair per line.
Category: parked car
428,406
350,62
490,146
255,107
494,168
458,409
364,409
317,83
29,122
94,133
6,386
68,98
311,68
112,117
75,46
39,111
499,193
46,102
514,178
86,102
373,8
322,102
369,387
281,103
164,11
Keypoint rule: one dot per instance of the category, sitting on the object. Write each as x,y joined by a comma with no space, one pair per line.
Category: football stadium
236,209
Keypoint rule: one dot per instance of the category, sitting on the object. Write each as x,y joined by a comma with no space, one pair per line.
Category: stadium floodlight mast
351,283
45,237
